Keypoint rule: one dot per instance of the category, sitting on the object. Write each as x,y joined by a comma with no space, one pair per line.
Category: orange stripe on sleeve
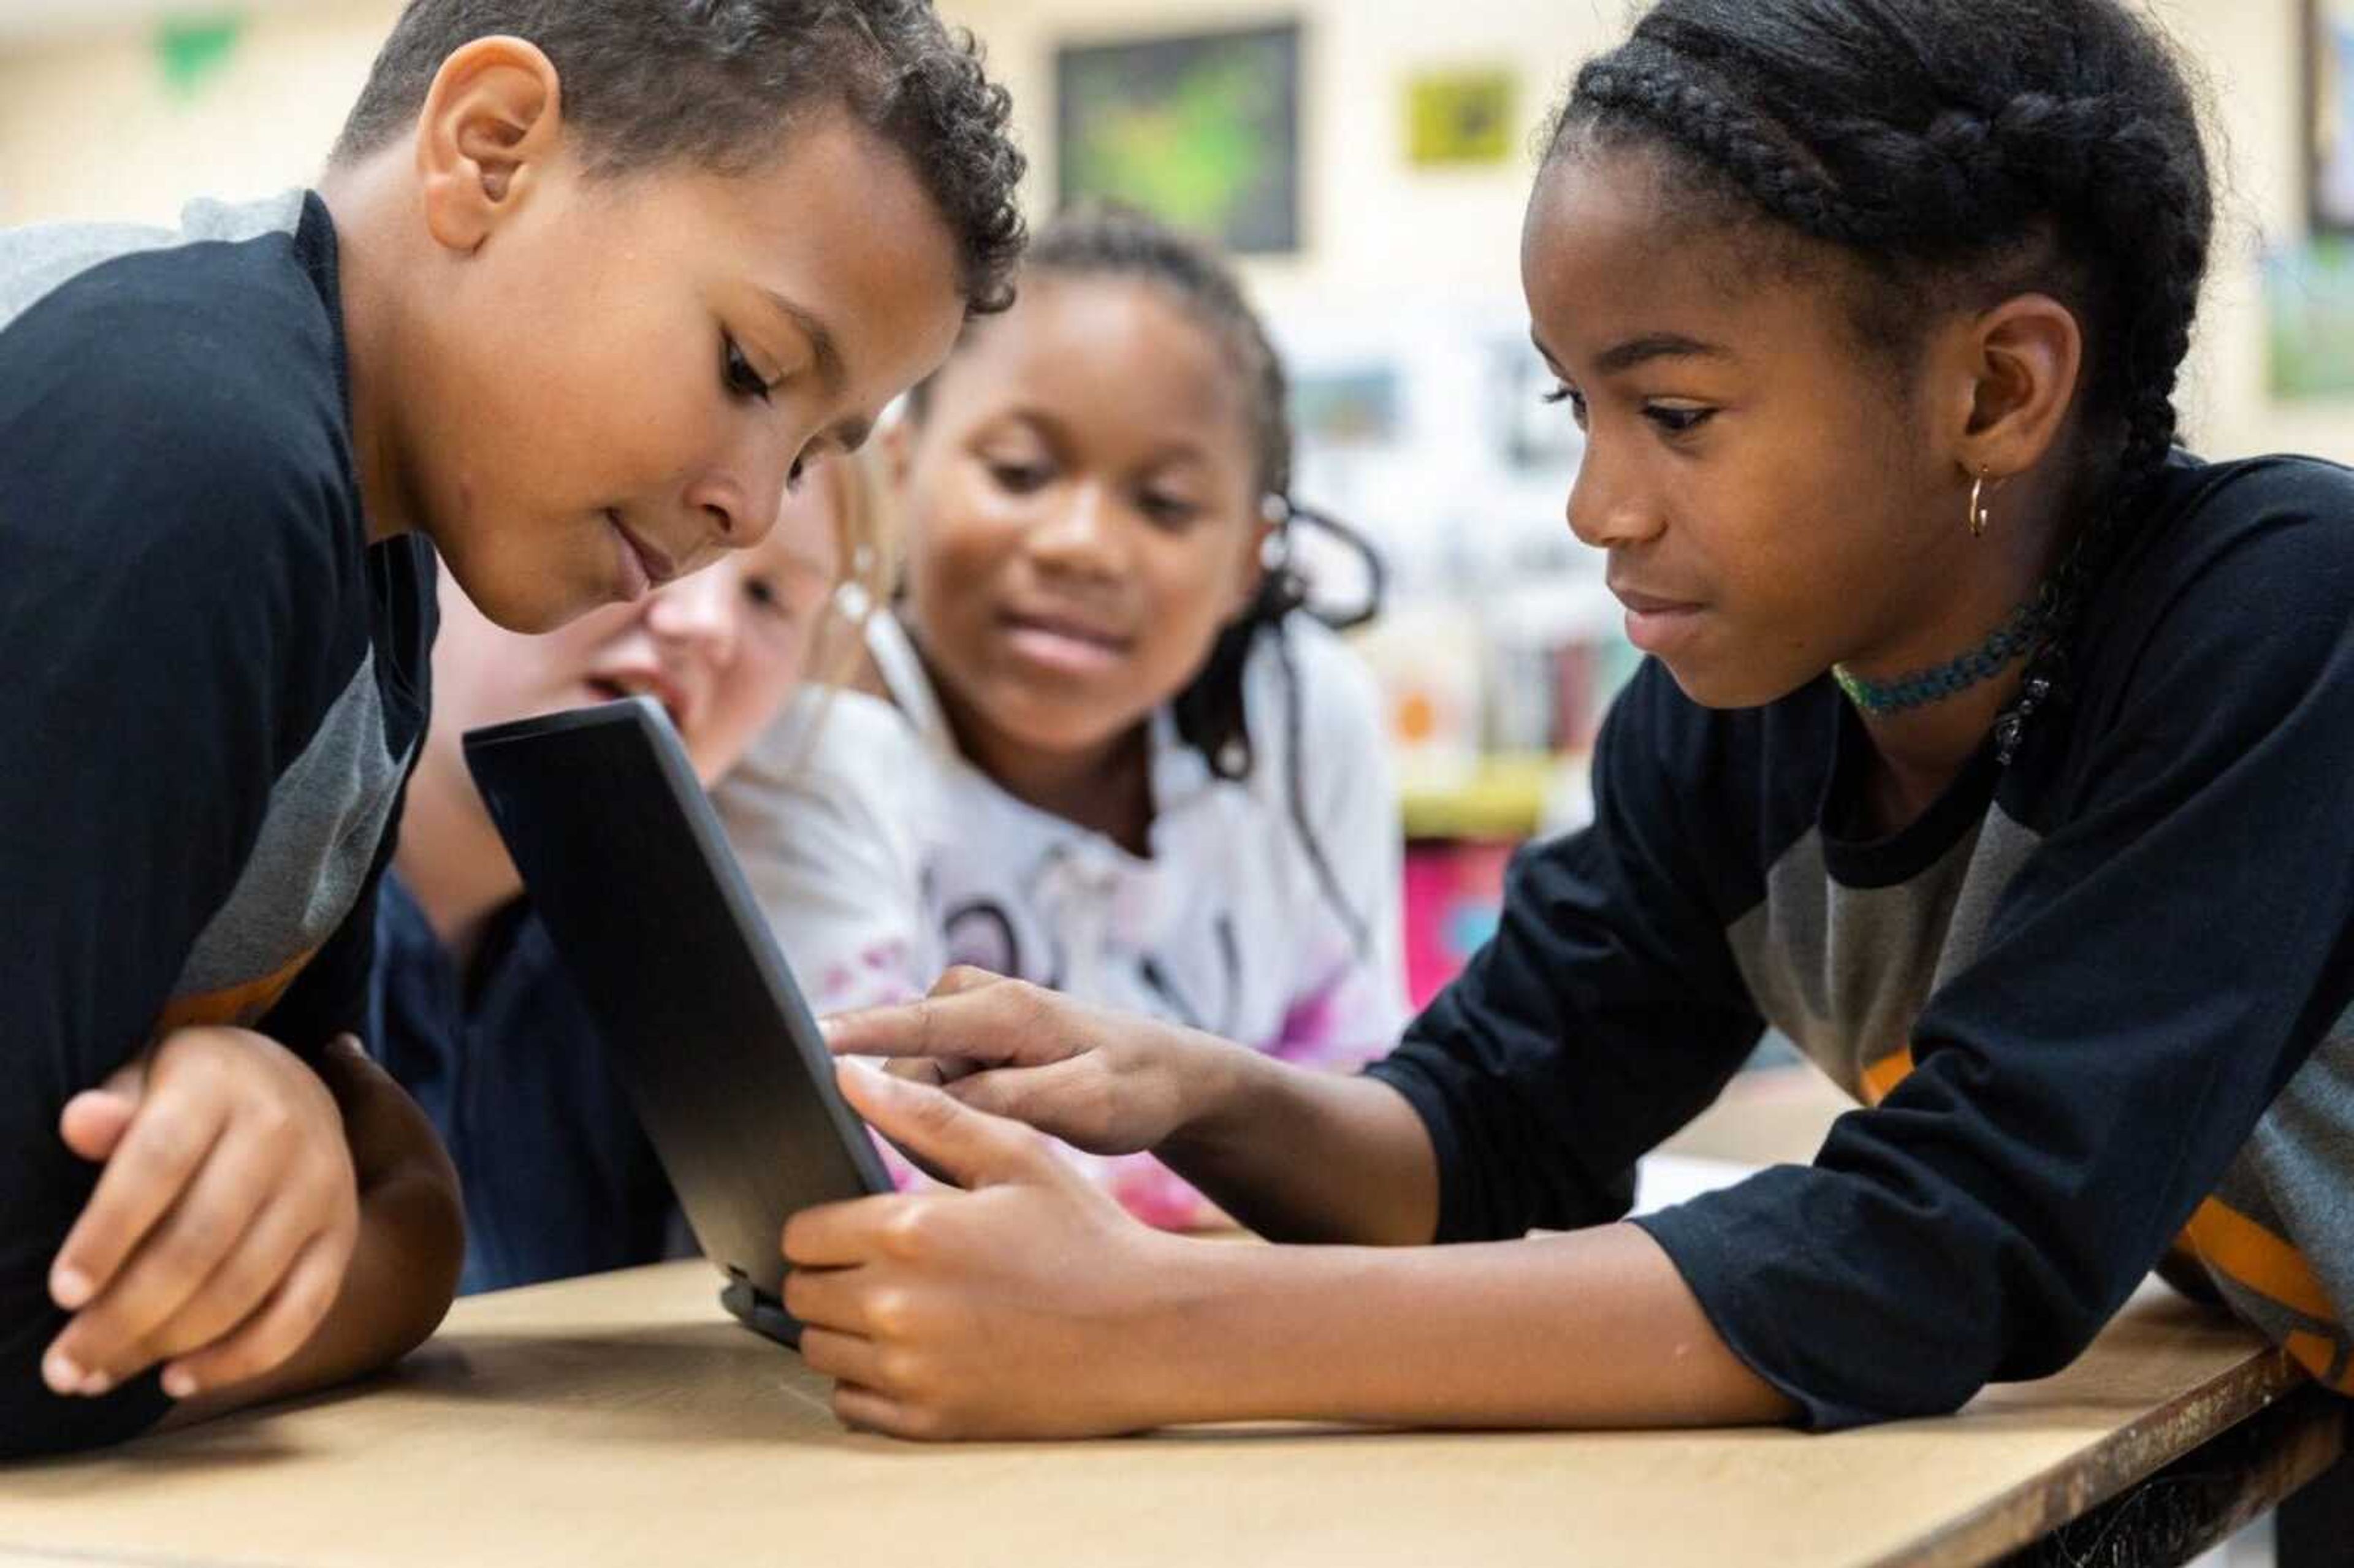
1881,1078
2246,1253
2318,1355
2227,1242
239,1005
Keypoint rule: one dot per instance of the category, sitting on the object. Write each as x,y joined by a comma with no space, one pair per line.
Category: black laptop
699,1016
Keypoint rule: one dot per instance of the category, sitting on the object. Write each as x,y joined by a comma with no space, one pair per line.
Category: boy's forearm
1592,1329
403,1277
1306,1156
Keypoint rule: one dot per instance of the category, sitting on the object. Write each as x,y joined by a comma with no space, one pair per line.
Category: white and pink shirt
883,858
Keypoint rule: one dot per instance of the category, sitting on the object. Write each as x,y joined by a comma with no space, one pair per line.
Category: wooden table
623,1419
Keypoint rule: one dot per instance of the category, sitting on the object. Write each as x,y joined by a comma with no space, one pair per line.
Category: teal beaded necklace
2015,638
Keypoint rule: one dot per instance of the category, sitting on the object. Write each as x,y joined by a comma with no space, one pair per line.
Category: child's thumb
94,1121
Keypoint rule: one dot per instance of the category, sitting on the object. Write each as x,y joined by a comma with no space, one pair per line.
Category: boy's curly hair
719,84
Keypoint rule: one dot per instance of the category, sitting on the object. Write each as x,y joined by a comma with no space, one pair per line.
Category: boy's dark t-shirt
559,1177
2099,998
214,688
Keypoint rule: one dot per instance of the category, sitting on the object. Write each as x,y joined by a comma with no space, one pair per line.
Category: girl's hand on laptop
220,1227
1109,1083
1016,1307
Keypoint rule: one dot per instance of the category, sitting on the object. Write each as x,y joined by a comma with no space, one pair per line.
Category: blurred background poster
1201,131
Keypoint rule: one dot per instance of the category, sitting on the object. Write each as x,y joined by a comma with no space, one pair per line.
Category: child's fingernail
61,1372
179,1383
70,1287
873,1076
95,1385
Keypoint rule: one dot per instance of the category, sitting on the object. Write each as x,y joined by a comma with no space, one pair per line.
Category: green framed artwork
2308,286
1201,131
2329,153
2309,319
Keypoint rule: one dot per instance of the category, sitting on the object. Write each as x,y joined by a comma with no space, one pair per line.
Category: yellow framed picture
1459,118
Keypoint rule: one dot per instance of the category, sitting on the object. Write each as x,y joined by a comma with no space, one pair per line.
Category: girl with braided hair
1991,747
1101,747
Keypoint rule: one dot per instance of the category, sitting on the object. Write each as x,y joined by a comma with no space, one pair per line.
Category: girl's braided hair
1956,150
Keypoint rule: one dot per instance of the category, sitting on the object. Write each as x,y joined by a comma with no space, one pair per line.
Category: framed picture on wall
2329,114
1356,407
1201,131
1459,118
1538,435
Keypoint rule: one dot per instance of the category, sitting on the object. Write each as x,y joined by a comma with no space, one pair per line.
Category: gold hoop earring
1979,518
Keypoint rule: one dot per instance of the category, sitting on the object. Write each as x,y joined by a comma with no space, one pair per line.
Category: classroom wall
1379,230
87,129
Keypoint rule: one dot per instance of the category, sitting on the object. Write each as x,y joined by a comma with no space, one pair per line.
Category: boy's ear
2020,363
490,128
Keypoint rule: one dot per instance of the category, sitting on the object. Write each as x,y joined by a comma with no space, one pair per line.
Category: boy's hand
1106,1082
220,1228
1010,1309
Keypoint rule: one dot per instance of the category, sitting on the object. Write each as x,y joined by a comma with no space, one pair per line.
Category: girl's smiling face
1083,512
1771,497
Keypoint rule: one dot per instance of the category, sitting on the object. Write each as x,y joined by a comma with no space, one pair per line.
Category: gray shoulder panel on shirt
36,261
327,818
1845,971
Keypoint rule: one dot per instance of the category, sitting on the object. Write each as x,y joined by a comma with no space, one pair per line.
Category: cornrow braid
1954,148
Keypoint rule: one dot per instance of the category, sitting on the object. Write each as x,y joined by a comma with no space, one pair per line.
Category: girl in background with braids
1100,749
1992,747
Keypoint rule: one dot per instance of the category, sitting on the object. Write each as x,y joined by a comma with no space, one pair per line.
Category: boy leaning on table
584,285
